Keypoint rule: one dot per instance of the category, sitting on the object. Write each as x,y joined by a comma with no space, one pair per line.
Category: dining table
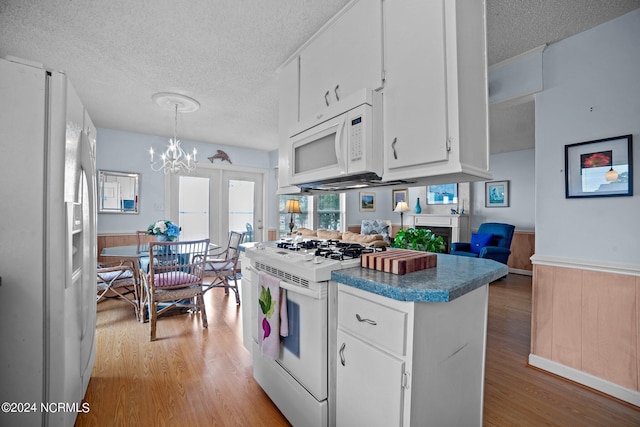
135,251
140,252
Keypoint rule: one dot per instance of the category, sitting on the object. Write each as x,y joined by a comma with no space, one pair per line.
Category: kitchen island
411,346
453,277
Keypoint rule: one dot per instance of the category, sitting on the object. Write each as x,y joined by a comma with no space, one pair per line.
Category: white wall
129,152
591,91
383,207
518,168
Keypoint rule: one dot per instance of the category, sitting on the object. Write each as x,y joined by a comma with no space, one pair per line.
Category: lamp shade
401,207
611,175
292,206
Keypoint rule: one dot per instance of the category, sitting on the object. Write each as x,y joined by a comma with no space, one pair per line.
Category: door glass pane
241,207
193,210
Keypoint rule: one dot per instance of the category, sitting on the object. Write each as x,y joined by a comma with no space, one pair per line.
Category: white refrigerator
47,247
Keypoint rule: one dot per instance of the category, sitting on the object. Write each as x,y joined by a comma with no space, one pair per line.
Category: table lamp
292,206
401,207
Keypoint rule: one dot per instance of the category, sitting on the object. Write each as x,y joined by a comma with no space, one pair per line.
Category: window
326,211
329,212
299,219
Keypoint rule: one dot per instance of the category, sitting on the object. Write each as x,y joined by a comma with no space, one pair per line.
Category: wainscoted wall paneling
586,324
523,246
110,240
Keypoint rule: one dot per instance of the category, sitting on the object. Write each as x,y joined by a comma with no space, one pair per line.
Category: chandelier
175,159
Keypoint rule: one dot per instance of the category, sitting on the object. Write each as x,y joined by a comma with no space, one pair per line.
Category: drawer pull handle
341,352
326,99
336,92
393,147
369,321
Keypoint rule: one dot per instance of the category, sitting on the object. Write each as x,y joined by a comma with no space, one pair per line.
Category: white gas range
298,380
310,263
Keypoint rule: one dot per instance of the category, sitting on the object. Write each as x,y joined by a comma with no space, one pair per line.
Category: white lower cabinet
400,363
369,389
247,298
372,359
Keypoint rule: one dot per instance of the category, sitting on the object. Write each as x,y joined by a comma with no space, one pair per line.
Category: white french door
211,201
242,200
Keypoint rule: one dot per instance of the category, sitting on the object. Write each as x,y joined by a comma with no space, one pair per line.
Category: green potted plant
419,239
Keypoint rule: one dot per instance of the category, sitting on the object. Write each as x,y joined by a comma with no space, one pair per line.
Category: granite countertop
453,277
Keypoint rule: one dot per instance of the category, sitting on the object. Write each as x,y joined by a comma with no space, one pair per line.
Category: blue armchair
493,241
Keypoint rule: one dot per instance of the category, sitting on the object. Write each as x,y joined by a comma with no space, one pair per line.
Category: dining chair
176,271
120,280
222,266
143,239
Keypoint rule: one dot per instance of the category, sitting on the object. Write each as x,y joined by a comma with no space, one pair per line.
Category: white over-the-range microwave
341,144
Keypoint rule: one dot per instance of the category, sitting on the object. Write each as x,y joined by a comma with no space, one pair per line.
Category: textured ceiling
223,53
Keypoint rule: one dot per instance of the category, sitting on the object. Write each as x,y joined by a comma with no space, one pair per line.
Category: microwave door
318,152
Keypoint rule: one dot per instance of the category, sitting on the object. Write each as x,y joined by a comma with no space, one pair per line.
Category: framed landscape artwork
496,194
600,168
367,202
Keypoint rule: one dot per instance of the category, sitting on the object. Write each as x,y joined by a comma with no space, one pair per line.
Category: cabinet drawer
380,325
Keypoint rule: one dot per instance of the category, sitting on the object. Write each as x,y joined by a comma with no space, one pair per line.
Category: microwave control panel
355,139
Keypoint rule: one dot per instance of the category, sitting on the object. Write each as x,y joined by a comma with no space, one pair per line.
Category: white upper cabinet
415,99
428,58
435,94
288,115
342,58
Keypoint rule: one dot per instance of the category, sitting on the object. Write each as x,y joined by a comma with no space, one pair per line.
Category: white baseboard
607,387
520,271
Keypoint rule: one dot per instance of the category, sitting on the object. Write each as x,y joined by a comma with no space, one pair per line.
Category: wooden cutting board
399,261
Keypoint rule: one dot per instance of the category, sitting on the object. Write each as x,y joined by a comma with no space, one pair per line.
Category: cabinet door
415,94
368,385
248,296
345,57
288,79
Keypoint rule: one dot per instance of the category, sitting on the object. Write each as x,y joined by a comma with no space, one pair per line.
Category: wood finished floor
196,377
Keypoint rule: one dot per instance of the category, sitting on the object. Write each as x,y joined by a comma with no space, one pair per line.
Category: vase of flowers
164,230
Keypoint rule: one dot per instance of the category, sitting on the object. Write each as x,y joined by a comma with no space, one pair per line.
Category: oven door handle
300,290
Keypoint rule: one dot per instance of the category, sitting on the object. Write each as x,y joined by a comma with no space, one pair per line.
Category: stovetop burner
307,244
331,249
296,246
343,250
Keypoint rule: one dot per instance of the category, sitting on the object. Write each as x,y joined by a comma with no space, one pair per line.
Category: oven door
303,354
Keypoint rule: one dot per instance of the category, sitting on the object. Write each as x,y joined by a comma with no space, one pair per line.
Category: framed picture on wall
600,168
496,194
442,194
399,195
367,202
